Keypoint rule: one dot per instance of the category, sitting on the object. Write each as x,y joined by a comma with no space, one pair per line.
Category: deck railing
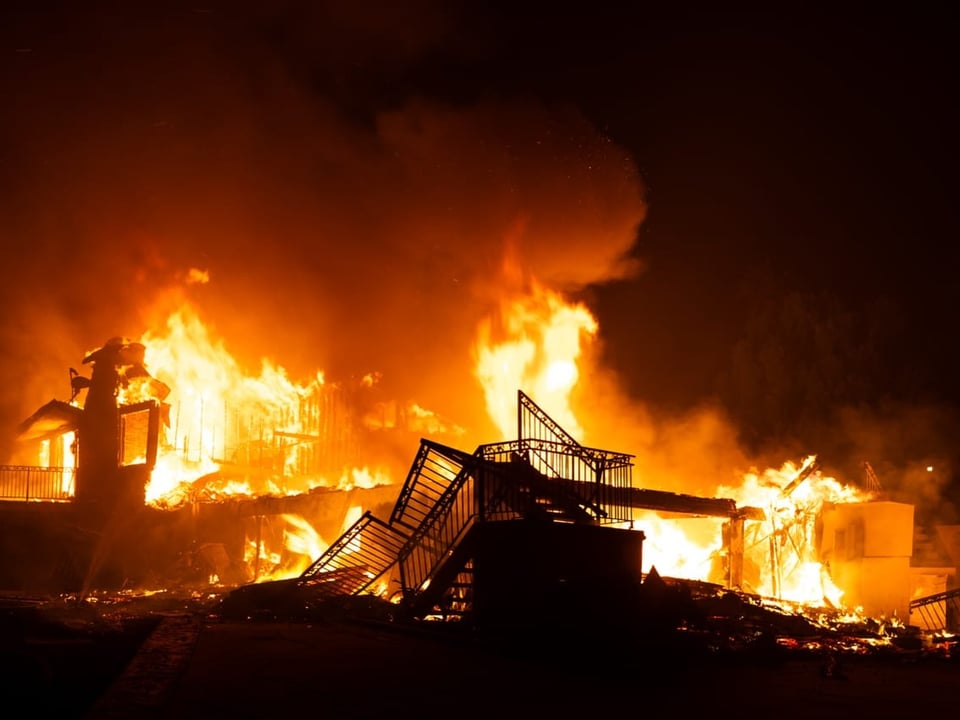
31,483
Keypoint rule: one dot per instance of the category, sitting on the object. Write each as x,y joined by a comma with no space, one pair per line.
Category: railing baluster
26,483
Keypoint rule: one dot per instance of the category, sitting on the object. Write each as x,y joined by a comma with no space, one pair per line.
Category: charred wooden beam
664,501
804,473
297,436
679,503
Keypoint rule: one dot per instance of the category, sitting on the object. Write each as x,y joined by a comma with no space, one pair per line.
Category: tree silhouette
803,356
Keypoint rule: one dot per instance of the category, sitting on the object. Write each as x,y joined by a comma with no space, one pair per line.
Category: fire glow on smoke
223,422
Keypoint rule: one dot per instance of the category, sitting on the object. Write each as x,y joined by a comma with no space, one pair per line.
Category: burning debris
170,467
531,546
482,556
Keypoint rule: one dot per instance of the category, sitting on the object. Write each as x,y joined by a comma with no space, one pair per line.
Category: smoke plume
348,232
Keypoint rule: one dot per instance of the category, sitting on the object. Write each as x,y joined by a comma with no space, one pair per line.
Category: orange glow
533,344
679,547
61,452
233,433
268,558
783,547
780,552
303,541
299,546
208,390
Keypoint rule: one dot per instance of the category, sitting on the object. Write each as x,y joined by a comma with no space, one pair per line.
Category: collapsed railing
356,560
443,527
940,611
28,483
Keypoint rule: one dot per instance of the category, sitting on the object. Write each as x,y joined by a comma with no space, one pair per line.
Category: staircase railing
489,486
481,491
605,477
599,480
533,423
447,491
435,468
357,559
439,530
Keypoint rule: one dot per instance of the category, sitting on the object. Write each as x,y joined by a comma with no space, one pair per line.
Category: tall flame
216,410
780,552
784,547
532,344
535,342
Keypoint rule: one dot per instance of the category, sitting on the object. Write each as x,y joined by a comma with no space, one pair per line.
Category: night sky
758,207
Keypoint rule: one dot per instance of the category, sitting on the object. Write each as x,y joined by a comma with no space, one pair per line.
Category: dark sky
759,207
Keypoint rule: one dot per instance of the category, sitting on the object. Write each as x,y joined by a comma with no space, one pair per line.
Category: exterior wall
868,547
525,572
880,586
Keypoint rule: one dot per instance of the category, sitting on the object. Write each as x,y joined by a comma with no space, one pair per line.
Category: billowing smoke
345,232
910,450
353,213
692,451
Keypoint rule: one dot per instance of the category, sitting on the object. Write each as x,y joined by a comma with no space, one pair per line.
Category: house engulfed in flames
119,486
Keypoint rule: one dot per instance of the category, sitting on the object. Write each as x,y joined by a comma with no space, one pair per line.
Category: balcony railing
28,483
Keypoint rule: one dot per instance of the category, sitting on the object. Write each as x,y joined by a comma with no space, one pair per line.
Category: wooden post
733,540
256,561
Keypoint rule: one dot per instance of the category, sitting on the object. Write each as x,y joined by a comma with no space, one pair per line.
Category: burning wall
867,548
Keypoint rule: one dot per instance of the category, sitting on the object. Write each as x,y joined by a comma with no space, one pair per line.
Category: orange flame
217,412
543,338
534,343
780,552
784,546
303,542
300,545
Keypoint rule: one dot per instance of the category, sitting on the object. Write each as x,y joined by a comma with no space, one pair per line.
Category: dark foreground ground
266,670
181,657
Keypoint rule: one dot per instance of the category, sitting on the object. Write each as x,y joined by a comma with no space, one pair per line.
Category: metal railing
488,486
32,483
358,558
443,525
599,480
940,611
447,491
435,468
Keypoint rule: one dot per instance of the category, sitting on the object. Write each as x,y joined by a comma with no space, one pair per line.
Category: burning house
122,485
118,485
